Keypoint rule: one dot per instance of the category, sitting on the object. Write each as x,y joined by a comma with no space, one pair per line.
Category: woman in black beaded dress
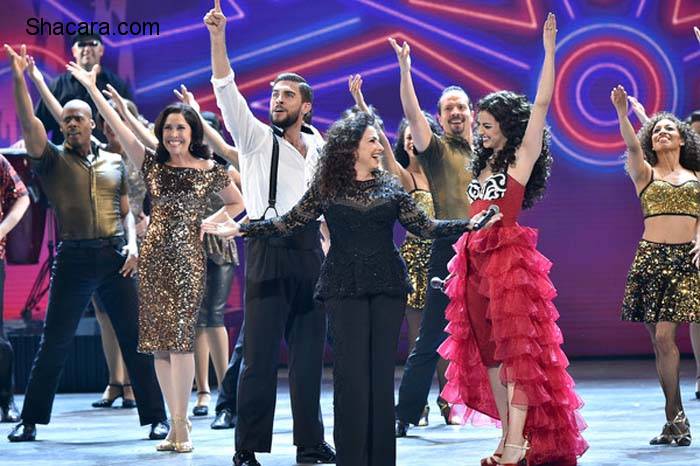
363,281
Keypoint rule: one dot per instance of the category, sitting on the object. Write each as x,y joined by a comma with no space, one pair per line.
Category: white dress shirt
253,140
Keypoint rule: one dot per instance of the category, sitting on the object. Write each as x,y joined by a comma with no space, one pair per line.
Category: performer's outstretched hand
355,85
697,32
226,227
549,33
84,77
638,109
186,97
119,102
215,20
618,97
403,54
18,63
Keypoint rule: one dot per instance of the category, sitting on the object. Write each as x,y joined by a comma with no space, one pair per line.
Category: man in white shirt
280,272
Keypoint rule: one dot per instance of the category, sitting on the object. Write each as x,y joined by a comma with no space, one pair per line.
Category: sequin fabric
362,259
662,285
172,267
416,253
660,197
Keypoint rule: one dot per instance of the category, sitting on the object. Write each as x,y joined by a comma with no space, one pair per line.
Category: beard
287,121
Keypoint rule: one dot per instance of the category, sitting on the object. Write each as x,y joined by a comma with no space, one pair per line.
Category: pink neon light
685,19
265,80
564,68
239,15
442,32
530,23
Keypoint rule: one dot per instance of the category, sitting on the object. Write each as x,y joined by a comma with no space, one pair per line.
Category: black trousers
420,365
365,333
228,388
280,277
77,274
6,353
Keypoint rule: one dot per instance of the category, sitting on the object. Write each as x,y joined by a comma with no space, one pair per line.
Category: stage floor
624,409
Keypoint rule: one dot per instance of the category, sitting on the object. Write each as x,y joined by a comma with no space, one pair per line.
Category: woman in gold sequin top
403,163
663,285
180,176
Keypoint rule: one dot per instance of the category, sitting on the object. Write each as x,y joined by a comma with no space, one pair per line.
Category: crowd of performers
318,232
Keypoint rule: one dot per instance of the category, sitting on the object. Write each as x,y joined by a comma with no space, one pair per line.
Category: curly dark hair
512,111
336,168
197,146
399,152
690,151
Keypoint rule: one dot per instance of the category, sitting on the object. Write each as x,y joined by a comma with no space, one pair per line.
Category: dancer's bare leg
181,378
500,394
201,364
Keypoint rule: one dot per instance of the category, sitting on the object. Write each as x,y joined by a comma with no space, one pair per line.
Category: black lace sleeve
415,220
304,212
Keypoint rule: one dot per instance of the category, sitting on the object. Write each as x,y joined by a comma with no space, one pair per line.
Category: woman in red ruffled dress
503,344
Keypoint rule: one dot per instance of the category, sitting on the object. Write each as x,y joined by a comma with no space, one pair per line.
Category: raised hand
215,20
84,77
355,85
403,54
549,33
638,109
186,97
618,97
18,63
32,70
112,93
697,33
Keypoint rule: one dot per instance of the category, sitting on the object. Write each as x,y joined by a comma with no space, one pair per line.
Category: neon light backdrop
589,221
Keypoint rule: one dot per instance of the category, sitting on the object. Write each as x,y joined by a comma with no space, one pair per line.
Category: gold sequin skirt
416,254
662,285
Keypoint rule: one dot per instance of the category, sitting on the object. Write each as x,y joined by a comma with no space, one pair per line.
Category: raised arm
50,100
638,109
697,33
420,128
131,144
531,146
32,130
355,85
638,168
212,137
144,135
215,21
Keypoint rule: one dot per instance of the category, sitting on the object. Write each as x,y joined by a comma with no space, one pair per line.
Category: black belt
93,243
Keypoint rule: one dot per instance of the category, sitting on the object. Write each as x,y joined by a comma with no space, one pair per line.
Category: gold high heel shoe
183,447
165,445
680,430
523,448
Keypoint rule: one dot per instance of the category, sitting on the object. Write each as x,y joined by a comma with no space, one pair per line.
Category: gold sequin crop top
660,197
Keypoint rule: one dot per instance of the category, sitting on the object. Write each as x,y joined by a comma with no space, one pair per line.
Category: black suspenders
274,164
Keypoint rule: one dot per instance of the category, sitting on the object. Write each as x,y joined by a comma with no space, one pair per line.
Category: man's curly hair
512,112
690,150
336,169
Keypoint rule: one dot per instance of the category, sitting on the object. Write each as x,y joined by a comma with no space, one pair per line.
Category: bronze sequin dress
663,284
172,267
416,253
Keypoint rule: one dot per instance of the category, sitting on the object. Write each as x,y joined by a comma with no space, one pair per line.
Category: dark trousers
365,333
77,274
6,353
420,365
228,388
280,277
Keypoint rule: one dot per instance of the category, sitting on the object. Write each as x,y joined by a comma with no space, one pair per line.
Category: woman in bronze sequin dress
663,285
403,163
180,176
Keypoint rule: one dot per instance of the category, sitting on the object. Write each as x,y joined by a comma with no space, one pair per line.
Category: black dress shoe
320,454
401,428
8,412
200,411
159,430
23,433
224,420
245,458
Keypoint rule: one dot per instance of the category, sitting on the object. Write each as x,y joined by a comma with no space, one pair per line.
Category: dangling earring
191,148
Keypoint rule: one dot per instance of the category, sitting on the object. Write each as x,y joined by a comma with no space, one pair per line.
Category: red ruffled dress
501,312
